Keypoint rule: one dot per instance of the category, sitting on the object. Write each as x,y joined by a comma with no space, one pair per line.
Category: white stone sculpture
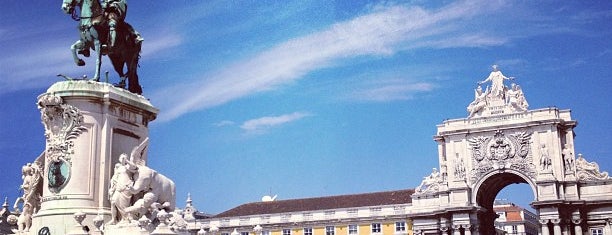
545,161
24,221
497,99
516,98
460,170
568,159
149,180
63,123
145,206
479,101
497,82
32,192
119,191
589,170
137,190
430,183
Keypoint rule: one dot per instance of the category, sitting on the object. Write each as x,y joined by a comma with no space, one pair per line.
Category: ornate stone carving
459,170
136,190
568,160
430,184
545,161
589,171
499,152
63,123
497,99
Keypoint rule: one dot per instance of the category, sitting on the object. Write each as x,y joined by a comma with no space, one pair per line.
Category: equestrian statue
103,29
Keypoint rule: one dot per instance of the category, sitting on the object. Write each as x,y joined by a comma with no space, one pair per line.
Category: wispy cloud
160,43
38,65
391,90
383,32
264,123
224,123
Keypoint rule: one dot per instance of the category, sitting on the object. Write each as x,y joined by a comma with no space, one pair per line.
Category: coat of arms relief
63,123
501,151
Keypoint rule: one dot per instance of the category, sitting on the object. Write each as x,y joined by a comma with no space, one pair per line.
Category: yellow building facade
379,213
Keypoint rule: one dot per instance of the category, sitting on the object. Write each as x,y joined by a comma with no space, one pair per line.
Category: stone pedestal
87,126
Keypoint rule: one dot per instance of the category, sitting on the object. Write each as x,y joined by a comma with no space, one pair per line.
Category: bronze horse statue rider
118,40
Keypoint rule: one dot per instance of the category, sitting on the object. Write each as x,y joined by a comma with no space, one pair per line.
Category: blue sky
314,98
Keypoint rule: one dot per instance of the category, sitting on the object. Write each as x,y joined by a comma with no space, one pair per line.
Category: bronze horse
94,34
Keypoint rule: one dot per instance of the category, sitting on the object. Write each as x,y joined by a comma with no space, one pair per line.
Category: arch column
467,228
544,223
556,226
456,229
577,227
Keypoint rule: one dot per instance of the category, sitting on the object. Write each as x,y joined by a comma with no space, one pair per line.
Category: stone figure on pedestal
516,98
497,99
568,159
479,101
118,192
136,190
545,161
32,191
104,30
497,82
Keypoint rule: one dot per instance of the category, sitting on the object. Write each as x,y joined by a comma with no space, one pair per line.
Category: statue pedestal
87,126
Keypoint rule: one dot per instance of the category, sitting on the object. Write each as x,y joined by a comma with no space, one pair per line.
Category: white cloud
264,123
38,65
383,32
224,123
160,43
391,91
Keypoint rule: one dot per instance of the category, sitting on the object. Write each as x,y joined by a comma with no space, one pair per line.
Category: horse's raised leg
78,45
97,46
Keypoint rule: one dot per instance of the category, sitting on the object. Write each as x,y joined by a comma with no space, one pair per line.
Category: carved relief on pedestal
500,152
589,171
63,123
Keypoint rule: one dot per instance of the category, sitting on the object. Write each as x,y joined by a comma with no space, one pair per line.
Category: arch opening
487,191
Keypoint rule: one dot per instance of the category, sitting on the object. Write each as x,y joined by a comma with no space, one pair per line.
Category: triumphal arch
502,142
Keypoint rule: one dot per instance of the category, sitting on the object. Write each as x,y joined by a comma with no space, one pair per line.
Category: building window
225,234
376,228
400,226
244,233
352,229
514,229
307,231
330,230
597,231
265,232
286,231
